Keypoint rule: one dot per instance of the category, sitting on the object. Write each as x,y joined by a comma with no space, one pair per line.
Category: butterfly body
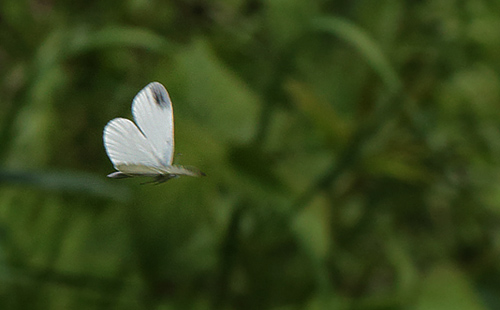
146,147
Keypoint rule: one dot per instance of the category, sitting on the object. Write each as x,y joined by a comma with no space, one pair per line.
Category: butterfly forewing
153,114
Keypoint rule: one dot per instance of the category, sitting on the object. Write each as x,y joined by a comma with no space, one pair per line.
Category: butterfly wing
128,149
146,148
182,170
152,110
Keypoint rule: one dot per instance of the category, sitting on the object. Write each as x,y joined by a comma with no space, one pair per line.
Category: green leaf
365,45
447,288
116,36
322,114
213,94
73,182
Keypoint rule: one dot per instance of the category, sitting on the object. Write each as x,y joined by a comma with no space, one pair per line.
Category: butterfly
146,147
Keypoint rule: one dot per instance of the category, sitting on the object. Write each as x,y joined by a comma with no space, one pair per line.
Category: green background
352,150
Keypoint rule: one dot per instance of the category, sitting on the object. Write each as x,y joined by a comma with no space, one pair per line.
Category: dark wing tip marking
160,94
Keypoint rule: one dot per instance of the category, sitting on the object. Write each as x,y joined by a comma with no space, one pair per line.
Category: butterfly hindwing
126,145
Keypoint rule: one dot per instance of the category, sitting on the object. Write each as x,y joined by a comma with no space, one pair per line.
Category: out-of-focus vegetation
352,151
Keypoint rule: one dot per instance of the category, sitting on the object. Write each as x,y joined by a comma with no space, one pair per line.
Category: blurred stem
264,121
227,256
282,67
7,127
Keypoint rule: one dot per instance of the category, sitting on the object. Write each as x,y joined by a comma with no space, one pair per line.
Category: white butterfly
145,149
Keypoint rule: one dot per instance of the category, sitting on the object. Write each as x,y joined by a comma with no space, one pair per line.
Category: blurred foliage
352,151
